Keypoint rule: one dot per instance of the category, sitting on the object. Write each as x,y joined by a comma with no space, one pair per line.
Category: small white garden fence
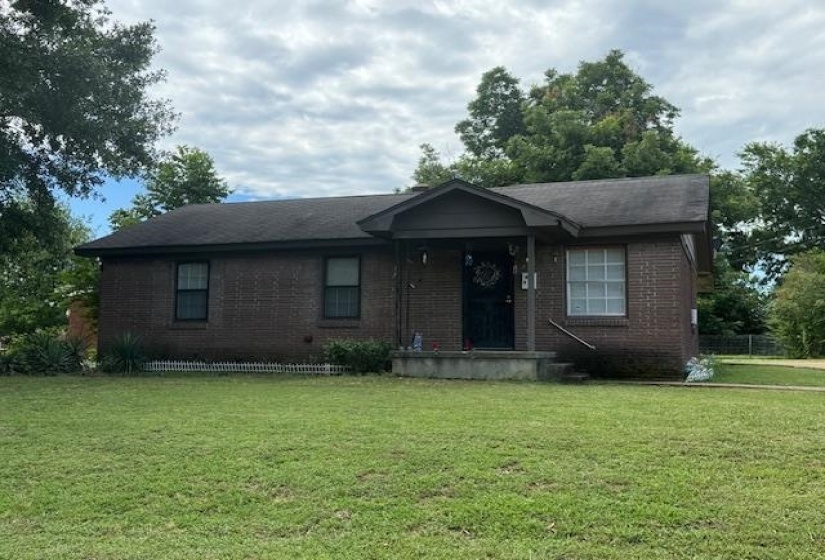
243,367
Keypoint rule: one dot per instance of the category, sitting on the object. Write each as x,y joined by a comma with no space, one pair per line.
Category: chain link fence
742,344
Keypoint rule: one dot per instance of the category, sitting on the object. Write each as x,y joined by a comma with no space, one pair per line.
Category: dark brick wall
433,305
653,340
260,306
269,305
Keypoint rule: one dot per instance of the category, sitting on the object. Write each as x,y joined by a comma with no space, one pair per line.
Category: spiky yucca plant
124,355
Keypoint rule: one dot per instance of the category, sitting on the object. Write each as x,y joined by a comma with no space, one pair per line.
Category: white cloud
331,97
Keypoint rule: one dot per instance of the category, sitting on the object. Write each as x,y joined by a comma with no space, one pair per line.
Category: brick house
614,264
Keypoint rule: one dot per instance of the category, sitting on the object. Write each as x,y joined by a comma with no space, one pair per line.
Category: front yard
377,467
762,371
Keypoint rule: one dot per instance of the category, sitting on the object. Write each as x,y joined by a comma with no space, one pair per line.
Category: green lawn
376,467
768,375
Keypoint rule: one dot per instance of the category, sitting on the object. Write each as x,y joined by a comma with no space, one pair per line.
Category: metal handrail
571,335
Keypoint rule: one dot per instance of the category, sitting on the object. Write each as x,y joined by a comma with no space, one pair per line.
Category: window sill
339,324
596,321
189,325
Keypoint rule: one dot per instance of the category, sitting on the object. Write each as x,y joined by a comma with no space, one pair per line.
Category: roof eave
299,244
643,229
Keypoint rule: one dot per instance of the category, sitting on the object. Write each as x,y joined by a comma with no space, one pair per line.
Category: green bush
361,356
43,353
124,355
12,363
797,314
78,349
46,354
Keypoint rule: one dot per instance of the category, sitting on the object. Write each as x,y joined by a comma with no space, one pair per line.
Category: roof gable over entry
458,209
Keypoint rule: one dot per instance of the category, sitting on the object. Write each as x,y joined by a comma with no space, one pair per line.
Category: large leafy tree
788,187
484,172
187,176
737,303
495,115
601,122
74,107
734,207
38,281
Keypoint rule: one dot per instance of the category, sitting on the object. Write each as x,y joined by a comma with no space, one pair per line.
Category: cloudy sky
316,98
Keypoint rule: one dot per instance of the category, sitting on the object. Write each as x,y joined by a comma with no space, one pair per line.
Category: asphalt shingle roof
621,202
617,202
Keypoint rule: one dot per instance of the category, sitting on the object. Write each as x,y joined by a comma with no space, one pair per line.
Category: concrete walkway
807,364
727,385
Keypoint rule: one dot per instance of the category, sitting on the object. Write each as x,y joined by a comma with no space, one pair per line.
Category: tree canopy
601,122
187,176
34,276
495,115
74,107
786,187
735,306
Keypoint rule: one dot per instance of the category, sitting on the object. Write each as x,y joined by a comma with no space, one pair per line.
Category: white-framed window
596,282
342,288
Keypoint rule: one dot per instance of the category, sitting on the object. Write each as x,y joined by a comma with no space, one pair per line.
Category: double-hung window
596,284
192,291
342,288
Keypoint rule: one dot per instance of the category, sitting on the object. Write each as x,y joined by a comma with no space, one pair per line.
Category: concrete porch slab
475,364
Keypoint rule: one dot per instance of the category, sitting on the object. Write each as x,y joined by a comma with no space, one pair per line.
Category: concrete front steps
563,373
575,378
485,364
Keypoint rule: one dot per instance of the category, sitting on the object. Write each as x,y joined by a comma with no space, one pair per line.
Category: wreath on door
486,274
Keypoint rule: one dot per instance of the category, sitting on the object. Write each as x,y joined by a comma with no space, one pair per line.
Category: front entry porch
458,251
481,364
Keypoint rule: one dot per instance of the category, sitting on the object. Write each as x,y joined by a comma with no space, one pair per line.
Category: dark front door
488,300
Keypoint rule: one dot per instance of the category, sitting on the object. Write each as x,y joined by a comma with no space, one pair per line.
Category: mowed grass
766,374
377,467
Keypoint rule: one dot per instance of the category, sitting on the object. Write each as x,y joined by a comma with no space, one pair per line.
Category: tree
430,170
601,122
788,186
736,306
187,176
495,115
733,210
35,294
797,313
78,284
74,107
479,171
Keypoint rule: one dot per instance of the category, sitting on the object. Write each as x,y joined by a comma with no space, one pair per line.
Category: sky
327,98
